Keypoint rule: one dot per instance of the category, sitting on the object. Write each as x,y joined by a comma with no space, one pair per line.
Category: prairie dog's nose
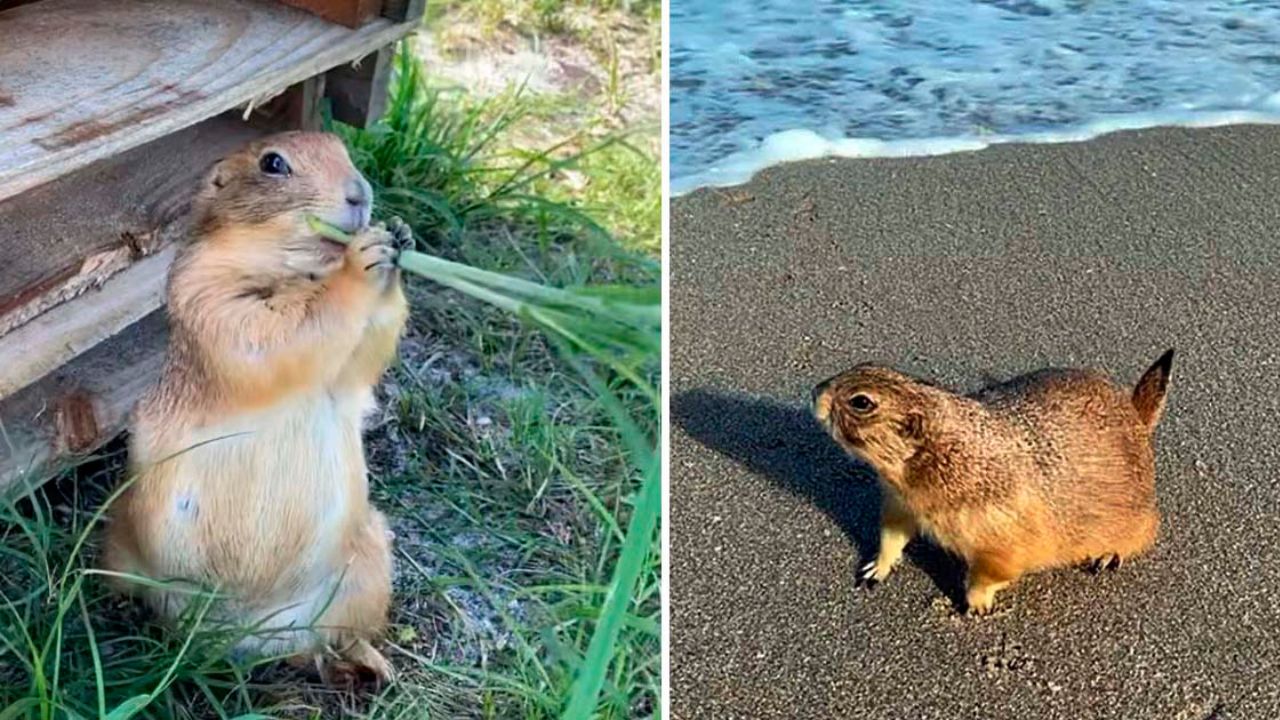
358,191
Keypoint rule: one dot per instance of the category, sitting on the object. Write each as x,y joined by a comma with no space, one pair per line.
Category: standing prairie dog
1050,469
247,453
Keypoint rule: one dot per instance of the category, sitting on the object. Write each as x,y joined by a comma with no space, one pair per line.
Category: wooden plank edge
85,274
61,418
356,44
63,333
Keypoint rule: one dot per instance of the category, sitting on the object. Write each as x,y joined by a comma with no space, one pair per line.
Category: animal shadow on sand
785,444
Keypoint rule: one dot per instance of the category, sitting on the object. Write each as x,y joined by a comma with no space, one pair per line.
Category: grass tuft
534,17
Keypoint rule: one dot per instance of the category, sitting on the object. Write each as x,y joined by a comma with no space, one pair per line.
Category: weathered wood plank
67,237
83,80
81,406
352,13
59,335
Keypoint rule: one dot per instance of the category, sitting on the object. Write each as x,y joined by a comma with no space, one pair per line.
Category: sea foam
762,82
796,145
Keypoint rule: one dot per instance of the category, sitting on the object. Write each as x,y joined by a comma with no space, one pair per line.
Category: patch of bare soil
608,60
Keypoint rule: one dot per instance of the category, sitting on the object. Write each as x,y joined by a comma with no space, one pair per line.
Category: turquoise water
765,81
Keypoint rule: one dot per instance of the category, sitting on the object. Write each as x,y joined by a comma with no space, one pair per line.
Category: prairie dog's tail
1152,387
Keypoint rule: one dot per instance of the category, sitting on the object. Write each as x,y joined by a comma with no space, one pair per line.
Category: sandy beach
970,268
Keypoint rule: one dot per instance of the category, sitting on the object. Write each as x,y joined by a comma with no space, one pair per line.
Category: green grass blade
92,642
130,707
635,550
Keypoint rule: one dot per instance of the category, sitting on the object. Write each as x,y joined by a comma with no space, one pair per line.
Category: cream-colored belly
257,504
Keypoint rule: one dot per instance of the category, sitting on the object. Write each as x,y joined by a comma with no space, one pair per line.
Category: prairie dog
1050,469
247,453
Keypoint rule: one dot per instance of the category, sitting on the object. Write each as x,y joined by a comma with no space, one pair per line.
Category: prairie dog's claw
867,574
401,234
1106,562
375,254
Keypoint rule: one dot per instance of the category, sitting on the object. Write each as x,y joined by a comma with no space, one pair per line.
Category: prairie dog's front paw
401,234
874,571
374,253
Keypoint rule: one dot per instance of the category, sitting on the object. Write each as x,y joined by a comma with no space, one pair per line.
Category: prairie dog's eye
274,164
861,403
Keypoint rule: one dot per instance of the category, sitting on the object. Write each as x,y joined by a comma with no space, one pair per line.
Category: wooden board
69,236
352,13
82,80
42,345
81,406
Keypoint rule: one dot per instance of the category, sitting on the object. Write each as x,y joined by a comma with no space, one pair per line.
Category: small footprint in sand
732,198
1009,657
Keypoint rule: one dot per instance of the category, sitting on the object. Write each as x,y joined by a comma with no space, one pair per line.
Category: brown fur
247,454
1050,469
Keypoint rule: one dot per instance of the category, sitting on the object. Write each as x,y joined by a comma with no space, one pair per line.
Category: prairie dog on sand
1050,469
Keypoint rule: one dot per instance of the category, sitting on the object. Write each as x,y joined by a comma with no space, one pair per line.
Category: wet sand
970,268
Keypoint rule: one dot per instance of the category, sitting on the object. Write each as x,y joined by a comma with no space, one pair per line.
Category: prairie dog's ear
211,184
215,178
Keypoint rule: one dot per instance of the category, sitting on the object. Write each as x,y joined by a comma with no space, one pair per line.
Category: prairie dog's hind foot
980,601
353,665
987,576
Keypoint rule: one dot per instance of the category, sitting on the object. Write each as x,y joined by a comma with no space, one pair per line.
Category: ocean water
758,82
